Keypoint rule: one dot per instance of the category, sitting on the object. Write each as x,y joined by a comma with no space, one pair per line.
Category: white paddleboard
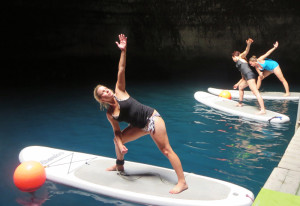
250,95
247,111
141,183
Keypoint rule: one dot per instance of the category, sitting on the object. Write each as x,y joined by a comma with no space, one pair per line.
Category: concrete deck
286,177
283,185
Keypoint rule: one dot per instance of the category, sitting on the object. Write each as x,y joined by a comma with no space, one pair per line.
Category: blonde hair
103,105
253,59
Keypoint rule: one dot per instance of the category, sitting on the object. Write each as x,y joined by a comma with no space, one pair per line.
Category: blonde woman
265,67
142,120
248,77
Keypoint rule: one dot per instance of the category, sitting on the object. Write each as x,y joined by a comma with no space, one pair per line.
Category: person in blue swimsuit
265,67
248,77
142,120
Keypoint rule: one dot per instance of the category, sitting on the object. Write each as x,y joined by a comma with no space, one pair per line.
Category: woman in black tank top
248,77
143,120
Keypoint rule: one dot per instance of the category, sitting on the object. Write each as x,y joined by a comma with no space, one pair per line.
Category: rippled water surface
208,142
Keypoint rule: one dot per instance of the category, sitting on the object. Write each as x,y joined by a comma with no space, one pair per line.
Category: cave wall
63,38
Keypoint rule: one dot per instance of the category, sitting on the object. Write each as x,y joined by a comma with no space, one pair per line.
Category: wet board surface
265,95
140,183
247,111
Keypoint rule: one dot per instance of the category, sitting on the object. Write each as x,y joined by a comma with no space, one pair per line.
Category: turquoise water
208,142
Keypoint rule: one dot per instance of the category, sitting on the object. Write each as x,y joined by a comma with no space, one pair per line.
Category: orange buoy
29,176
225,94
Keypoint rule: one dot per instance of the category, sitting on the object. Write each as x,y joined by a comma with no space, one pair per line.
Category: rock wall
59,36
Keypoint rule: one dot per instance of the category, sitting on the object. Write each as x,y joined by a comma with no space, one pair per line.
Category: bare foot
261,112
179,188
115,168
286,94
239,105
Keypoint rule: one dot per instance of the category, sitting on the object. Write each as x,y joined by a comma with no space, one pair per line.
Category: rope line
58,160
69,163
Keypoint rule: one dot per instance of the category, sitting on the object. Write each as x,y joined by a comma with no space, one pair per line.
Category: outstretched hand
275,44
249,41
123,42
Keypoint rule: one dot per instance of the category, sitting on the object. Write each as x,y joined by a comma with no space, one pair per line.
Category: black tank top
133,112
243,67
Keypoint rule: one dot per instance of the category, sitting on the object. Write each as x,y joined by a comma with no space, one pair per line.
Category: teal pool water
208,142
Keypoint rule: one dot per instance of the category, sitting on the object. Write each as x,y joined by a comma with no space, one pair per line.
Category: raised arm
275,45
249,42
120,85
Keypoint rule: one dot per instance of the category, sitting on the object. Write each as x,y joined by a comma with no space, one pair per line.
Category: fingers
122,37
124,150
249,41
123,42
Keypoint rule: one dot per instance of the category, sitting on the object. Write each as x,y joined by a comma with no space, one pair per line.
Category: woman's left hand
249,41
275,44
261,74
123,42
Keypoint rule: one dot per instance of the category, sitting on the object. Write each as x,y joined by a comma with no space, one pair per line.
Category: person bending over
248,77
265,67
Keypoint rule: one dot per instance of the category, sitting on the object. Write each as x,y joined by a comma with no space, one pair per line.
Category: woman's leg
120,157
266,73
258,83
242,86
278,73
160,137
253,87
128,134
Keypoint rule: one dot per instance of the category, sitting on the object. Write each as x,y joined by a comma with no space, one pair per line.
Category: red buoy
29,176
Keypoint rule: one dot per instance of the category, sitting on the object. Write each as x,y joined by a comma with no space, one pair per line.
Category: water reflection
36,198
239,147
51,191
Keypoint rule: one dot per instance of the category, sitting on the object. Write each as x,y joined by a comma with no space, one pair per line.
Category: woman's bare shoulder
122,95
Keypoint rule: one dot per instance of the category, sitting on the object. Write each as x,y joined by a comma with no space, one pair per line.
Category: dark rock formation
74,39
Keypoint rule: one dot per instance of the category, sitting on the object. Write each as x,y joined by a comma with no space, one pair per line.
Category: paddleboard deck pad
250,95
140,183
247,111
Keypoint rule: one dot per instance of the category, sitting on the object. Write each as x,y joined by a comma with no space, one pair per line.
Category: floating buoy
29,176
225,94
